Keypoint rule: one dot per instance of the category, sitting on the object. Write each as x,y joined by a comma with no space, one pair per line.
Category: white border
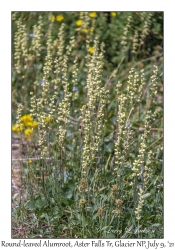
5,94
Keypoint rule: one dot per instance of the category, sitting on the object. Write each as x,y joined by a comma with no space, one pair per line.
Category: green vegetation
87,97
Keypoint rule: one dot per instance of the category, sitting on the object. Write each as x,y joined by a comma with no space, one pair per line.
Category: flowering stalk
139,208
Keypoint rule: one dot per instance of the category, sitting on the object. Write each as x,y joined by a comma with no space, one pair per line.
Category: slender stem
138,229
82,223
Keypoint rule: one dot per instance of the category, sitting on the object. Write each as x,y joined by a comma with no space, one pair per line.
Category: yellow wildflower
26,118
17,127
34,124
28,133
59,18
113,13
91,30
52,18
28,124
48,119
79,23
93,14
91,50
30,161
84,30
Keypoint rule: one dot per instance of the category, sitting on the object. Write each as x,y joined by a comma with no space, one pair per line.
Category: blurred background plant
87,96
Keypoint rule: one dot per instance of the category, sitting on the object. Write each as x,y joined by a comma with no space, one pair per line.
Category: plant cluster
94,114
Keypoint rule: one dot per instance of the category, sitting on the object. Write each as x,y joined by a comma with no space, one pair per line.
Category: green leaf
40,203
106,166
89,209
109,148
52,200
109,176
78,216
69,194
15,196
94,217
55,210
30,205
110,236
84,222
71,185
146,195
156,225
47,218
